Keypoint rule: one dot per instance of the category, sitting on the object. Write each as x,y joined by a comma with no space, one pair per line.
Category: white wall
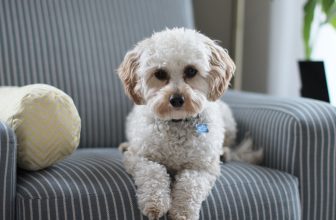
272,46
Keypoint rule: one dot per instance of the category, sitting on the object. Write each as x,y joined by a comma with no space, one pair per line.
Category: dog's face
176,72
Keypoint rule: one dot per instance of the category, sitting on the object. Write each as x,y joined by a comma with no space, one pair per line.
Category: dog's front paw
153,188
175,214
156,209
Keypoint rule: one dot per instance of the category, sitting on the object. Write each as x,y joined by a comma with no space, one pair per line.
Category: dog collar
202,128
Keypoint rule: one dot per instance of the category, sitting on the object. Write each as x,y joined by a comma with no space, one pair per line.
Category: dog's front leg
190,189
153,185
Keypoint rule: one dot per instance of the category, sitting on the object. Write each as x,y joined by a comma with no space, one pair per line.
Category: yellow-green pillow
46,123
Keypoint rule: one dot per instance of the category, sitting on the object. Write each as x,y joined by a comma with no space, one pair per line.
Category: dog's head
176,72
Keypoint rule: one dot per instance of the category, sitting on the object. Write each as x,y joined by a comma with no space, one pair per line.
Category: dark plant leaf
331,15
326,5
309,10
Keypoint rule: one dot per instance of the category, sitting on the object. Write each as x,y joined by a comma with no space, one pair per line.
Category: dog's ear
221,70
127,72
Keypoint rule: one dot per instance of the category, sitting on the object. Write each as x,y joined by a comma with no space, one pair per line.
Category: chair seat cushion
92,184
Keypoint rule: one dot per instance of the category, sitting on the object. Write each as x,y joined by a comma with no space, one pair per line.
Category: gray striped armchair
76,46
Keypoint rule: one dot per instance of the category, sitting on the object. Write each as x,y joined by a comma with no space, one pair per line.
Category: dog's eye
190,72
161,74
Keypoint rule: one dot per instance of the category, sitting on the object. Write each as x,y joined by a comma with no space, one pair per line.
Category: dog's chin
175,114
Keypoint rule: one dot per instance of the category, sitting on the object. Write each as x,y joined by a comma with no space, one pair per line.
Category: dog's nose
176,100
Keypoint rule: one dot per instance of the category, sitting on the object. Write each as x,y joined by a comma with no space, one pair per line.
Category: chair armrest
7,172
298,136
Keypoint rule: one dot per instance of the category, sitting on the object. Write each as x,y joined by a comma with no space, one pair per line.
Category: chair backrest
76,45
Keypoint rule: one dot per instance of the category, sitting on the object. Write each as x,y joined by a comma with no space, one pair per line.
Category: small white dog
178,129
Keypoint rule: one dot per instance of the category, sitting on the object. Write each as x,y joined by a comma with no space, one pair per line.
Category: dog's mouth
168,113
185,119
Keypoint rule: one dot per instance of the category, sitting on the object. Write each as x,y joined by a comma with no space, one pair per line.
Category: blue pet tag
202,128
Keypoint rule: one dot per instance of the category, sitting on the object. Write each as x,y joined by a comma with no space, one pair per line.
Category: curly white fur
174,165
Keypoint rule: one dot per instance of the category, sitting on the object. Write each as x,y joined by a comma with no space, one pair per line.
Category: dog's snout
176,100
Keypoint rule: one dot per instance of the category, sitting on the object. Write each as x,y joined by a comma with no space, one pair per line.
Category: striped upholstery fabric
299,137
7,172
77,46
92,184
